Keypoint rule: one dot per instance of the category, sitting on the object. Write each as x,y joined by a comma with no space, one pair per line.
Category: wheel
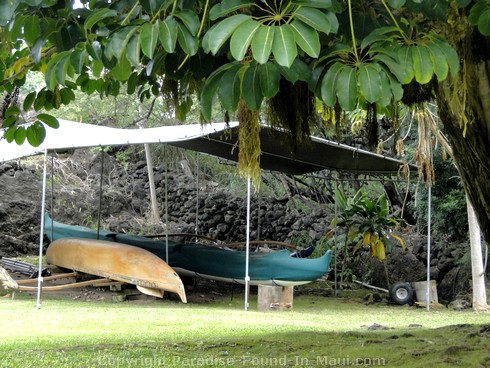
401,293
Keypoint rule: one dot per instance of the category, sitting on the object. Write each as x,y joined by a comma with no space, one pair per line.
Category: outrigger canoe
116,261
211,262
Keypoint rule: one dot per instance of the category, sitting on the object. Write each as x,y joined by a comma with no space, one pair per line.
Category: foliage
368,55
368,219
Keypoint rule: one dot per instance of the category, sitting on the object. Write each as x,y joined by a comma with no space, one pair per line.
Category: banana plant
370,220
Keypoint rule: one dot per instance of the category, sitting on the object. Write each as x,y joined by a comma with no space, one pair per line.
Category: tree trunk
477,272
471,101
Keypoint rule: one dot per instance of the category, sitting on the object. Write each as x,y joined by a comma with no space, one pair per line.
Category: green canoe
212,262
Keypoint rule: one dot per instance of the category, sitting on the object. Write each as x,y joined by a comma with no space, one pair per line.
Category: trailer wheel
401,293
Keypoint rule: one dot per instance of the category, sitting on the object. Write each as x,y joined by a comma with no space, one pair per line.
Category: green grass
318,332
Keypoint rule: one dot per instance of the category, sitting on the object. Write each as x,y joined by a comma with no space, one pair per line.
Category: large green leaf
20,135
284,45
439,62
222,31
10,133
28,101
251,91
189,19
49,120
228,6
168,34
56,69
269,77
314,18
422,64
328,89
393,66
452,56
97,16
378,35
406,62
187,41
116,45
67,95
94,49
299,70
35,134
77,59
32,28
395,85
262,43
484,22
242,37
306,38
36,50
229,89
122,70
148,38
386,92
370,82
346,88
133,50
480,17
210,89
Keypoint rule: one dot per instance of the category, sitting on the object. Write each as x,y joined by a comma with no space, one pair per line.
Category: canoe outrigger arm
8,283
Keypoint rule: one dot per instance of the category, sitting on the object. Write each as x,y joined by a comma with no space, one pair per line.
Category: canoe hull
116,261
275,268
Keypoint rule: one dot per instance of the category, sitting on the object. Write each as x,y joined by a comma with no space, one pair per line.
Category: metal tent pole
100,192
335,245
197,195
166,203
428,246
52,196
247,247
41,233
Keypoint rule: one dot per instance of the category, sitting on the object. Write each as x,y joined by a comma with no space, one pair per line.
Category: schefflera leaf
370,82
262,43
251,90
307,38
242,38
218,34
167,33
284,45
346,87
230,86
269,77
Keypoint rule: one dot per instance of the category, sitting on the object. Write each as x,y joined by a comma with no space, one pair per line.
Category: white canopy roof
71,135
218,139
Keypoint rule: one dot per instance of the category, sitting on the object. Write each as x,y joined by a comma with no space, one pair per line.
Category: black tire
401,293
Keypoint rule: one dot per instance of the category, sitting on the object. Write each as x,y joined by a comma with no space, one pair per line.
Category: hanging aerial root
423,152
293,108
249,144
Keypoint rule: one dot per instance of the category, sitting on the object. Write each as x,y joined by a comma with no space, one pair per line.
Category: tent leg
41,234
427,298
247,248
100,190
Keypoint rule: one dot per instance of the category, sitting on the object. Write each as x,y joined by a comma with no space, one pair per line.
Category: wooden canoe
116,261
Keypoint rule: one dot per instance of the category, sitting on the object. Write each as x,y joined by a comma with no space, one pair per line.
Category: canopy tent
217,139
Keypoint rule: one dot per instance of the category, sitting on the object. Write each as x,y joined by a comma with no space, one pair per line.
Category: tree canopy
278,55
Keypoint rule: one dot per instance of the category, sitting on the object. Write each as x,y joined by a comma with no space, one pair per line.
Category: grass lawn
319,331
